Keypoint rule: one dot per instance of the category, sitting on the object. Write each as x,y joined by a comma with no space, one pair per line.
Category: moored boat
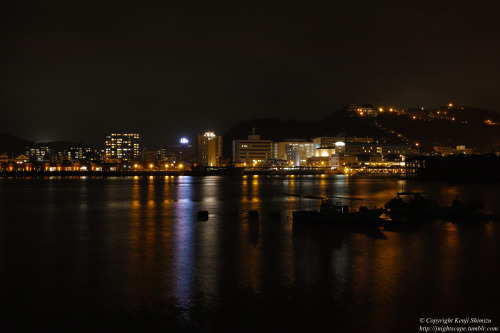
418,206
339,213
411,205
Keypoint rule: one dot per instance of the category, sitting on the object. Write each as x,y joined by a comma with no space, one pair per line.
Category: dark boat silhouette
411,205
337,212
420,206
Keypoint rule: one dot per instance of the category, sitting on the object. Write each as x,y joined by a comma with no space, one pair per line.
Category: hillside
12,145
277,130
460,126
472,127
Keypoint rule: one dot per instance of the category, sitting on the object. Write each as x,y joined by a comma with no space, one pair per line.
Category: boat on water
420,206
337,212
459,211
411,205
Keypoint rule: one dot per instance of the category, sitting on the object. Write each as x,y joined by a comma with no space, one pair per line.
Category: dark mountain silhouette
13,145
440,132
61,145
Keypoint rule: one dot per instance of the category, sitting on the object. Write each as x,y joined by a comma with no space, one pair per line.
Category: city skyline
74,72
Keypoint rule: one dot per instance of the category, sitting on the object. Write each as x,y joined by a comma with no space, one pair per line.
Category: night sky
72,70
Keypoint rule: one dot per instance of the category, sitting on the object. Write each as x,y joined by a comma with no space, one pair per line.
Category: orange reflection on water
149,241
489,229
448,268
250,194
250,269
387,281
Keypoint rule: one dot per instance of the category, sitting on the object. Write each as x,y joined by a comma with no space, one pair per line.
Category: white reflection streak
183,269
209,238
340,262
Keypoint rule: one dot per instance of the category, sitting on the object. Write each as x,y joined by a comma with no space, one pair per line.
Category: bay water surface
129,254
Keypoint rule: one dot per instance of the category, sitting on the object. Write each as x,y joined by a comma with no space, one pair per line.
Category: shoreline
228,172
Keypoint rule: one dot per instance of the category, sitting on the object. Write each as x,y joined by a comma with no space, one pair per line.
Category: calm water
101,254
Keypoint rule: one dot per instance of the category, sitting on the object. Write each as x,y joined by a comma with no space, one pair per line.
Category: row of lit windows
132,135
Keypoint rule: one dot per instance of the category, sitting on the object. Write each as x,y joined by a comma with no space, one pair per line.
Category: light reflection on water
92,246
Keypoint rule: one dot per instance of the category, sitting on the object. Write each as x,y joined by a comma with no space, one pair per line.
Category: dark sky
72,70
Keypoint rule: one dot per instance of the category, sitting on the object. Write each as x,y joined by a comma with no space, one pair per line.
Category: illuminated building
122,146
293,151
81,153
4,158
363,110
464,150
362,156
181,153
253,150
208,149
37,152
22,159
367,110
446,150
329,141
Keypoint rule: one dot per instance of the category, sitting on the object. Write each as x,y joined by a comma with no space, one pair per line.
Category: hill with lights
443,126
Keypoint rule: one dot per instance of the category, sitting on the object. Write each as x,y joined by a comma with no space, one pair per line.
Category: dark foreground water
128,254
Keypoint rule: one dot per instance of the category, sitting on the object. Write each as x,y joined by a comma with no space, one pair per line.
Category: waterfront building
180,153
149,157
339,161
293,151
325,141
123,146
447,150
208,150
318,161
329,141
21,159
395,149
4,158
37,152
363,156
81,153
464,150
253,150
